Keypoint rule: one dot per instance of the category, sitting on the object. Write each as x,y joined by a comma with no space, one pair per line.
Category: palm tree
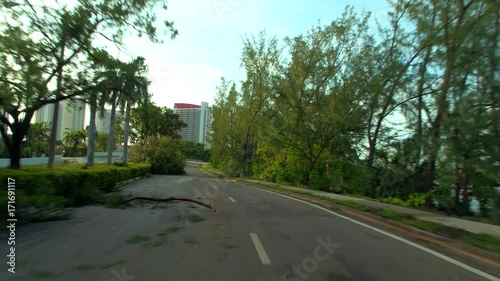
97,100
74,140
108,81
136,89
126,84
98,97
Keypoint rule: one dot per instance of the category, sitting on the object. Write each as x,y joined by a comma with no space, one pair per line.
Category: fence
5,162
105,154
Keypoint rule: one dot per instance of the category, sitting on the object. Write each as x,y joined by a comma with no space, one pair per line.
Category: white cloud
177,82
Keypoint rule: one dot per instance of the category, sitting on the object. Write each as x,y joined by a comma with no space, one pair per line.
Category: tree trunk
55,118
451,54
305,178
91,136
111,139
435,136
14,143
126,134
15,156
494,85
420,105
15,149
53,135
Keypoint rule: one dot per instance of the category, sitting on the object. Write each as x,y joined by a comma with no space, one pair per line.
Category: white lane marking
429,251
232,200
214,186
264,258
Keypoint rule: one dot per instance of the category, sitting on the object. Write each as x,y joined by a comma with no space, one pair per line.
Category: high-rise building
102,123
71,116
197,119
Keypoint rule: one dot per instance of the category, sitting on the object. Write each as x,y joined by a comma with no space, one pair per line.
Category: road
254,235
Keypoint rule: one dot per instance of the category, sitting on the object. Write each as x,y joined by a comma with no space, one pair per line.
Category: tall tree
313,101
260,59
148,120
98,96
226,137
135,89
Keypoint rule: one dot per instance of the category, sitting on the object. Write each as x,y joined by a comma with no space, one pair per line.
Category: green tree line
412,107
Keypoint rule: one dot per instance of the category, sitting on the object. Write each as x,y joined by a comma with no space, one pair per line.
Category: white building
102,123
71,116
197,119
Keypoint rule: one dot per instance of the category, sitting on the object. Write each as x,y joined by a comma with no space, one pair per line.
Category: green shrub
137,154
163,154
318,181
394,201
65,185
418,199
414,200
347,177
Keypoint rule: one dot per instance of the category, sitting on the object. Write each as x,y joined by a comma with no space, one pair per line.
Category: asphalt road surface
254,235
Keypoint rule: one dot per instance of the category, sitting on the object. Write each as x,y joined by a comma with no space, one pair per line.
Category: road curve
254,235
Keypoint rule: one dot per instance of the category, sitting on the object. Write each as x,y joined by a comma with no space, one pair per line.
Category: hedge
65,185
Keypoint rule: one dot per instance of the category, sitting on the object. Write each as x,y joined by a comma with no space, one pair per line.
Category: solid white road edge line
232,200
260,249
429,251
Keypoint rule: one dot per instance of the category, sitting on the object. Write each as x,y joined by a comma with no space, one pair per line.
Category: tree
226,136
54,42
75,141
37,140
194,150
171,124
314,101
163,154
144,120
102,142
127,84
148,120
259,58
136,89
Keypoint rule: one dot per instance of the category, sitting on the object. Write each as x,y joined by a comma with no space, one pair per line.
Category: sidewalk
471,226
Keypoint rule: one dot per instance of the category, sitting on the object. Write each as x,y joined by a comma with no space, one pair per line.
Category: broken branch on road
168,200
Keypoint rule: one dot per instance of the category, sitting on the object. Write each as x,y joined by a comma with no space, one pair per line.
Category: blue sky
208,47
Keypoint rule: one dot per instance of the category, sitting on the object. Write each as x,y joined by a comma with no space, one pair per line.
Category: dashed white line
232,200
214,186
264,258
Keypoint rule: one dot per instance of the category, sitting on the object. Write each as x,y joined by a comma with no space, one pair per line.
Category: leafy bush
194,150
414,200
347,177
394,201
162,153
137,154
65,185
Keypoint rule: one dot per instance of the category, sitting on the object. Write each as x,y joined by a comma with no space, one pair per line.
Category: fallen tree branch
169,199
